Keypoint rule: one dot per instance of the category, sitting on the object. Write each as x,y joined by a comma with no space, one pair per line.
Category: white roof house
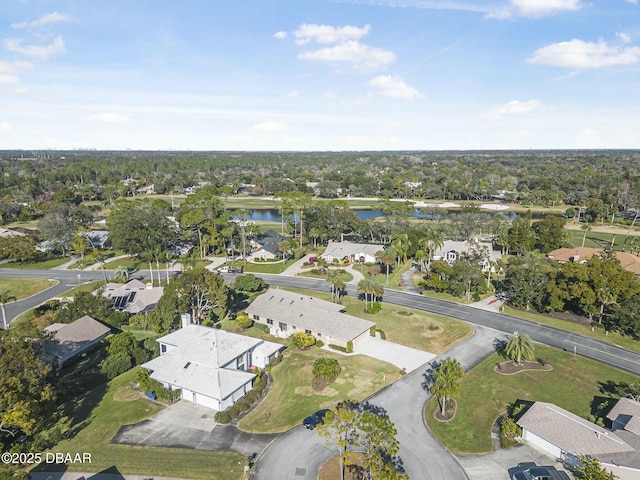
210,366
354,252
451,250
286,312
568,436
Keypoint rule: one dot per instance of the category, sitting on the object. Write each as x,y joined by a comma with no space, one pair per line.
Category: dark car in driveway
534,473
312,421
531,471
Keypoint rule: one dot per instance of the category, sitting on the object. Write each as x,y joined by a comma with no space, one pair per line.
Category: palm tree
4,298
366,286
586,227
431,242
400,243
386,257
121,274
446,381
519,347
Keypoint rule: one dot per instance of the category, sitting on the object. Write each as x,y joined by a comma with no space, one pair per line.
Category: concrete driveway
399,355
187,425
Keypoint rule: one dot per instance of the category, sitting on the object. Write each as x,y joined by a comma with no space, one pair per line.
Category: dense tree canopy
27,399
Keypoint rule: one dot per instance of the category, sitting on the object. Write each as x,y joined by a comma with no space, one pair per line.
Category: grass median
485,394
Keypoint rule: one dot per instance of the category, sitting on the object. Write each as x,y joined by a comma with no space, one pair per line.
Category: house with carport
567,436
211,367
286,313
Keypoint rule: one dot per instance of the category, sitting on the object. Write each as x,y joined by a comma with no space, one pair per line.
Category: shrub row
244,403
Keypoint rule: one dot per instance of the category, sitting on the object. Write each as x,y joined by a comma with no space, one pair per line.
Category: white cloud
293,94
536,8
54,17
270,127
580,54
7,78
326,34
5,127
360,56
394,87
424,4
109,118
515,107
624,37
634,2
21,90
40,52
280,35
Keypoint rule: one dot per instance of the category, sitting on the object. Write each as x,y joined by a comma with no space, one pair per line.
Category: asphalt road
66,279
585,346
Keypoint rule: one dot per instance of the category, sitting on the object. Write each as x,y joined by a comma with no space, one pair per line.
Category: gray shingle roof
308,313
626,412
571,432
71,339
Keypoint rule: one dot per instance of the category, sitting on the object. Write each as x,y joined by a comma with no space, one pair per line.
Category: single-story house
65,341
211,367
265,247
353,252
451,250
97,238
7,232
286,313
567,436
134,296
627,260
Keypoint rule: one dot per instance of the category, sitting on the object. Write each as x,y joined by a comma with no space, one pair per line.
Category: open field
96,417
24,287
573,384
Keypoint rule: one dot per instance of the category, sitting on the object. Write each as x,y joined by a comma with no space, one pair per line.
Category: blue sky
319,74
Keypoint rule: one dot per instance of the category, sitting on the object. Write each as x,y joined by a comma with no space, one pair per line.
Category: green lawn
346,277
596,239
24,287
42,265
264,267
100,413
572,384
614,338
291,397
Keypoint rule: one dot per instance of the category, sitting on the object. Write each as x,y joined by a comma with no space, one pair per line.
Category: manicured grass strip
24,287
291,397
572,384
103,410
407,326
264,267
613,338
44,265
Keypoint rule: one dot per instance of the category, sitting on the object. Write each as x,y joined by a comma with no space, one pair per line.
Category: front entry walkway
402,357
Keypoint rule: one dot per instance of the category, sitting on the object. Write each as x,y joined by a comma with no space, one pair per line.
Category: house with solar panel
211,367
133,297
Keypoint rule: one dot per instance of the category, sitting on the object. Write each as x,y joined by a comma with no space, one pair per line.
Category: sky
319,75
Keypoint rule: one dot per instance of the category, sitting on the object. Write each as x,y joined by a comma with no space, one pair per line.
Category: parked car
313,259
533,473
224,270
312,421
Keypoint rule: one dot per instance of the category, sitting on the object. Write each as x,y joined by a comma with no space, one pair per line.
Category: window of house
257,317
282,326
307,332
163,348
269,321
